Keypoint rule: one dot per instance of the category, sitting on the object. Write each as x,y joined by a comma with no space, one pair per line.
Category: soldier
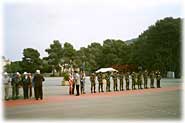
30,86
139,80
26,81
152,76
82,82
121,80
127,80
16,82
114,76
38,79
133,80
145,76
158,78
93,83
107,77
100,82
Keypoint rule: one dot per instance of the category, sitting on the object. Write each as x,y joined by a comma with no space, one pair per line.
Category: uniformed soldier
16,82
93,83
26,81
82,82
158,78
152,76
127,80
114,76
145,76
38,79
100,82
139,80
107,77
121,80
133,80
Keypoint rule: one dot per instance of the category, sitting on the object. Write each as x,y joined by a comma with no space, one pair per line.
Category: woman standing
71,82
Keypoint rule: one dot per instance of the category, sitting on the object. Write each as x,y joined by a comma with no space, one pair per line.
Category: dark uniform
82,83
114,76
145,75
16,82
158,78
100,82
38,79
30,86
133,80
107,77
93,83
152,76
139,80
26,82
121,81
127,80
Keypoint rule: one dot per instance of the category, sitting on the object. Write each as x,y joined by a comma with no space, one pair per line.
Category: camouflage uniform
127,80
121,81
145,75
114,76
93,84
158,78
100,82
107,77
16,82
133,80
139,80
152,76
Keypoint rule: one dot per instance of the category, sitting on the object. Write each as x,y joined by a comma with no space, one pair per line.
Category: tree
31,60
159,47
55,55
68,52
14,67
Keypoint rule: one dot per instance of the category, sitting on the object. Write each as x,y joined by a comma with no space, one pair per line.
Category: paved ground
147,104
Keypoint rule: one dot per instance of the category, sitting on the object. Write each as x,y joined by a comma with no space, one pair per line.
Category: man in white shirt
77,82
6,82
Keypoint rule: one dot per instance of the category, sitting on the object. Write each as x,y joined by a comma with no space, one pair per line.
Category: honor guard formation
26,81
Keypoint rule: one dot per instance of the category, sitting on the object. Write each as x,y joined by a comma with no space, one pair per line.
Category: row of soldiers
136,80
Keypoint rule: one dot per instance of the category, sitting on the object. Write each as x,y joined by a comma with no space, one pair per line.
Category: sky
36,23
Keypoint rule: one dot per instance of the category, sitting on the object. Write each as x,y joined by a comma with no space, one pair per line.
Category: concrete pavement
147,104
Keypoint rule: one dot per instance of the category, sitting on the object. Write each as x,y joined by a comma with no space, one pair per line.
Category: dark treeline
157,48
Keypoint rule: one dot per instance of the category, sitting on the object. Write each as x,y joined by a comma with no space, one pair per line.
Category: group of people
78,80
25,81
136,79
139,79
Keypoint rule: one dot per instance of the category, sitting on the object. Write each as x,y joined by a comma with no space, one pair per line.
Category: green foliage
66,76
31,60
14,67
158,48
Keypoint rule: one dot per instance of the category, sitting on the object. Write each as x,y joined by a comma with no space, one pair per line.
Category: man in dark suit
38,79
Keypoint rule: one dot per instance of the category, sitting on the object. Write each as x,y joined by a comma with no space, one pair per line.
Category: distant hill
128,42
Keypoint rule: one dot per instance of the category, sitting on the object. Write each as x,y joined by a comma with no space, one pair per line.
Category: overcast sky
34,24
